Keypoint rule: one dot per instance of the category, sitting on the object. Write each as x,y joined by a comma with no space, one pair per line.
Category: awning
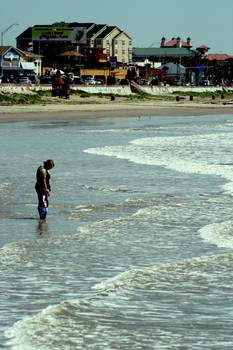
71,53
28,65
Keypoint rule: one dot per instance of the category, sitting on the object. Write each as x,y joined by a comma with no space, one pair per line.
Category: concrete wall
159,90
116,89
110,89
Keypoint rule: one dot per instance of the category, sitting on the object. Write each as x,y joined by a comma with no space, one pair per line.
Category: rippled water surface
137,249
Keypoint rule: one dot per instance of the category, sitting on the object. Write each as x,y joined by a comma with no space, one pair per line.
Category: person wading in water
43,187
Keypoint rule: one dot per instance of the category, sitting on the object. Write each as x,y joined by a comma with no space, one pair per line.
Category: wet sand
76,108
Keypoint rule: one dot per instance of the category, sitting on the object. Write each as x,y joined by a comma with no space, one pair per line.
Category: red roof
218,56
203,47
173,43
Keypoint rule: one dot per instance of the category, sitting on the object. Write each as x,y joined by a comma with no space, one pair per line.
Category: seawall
117,89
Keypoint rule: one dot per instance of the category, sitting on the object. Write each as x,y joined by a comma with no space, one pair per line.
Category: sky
206,22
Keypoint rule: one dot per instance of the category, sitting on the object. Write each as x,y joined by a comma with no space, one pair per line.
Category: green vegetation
147,97
143,96
81,93
15,98
42,96
207,94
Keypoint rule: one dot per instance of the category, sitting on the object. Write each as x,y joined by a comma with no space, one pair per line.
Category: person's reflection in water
42,227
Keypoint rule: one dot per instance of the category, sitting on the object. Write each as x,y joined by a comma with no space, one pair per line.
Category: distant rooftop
3,49
107,31
164,52
176,42
96,28
218,57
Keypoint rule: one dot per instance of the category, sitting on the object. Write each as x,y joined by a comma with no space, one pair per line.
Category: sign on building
113,61
76,35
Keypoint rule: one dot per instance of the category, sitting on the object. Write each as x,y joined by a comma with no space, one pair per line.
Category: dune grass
42,96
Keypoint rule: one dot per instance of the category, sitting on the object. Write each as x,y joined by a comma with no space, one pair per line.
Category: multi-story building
116,43
51,41
122,48
93,32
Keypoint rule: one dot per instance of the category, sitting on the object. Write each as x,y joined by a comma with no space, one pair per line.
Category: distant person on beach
43,187
66,86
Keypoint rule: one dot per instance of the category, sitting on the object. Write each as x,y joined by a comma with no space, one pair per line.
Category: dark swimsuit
43,202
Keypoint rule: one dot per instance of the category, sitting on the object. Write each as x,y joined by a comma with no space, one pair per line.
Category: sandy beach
92,107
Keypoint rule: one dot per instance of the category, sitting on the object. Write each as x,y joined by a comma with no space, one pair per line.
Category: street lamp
4,31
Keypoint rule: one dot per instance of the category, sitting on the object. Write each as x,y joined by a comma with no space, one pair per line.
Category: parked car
99,82
5,79
23,80
206,82
124,82
45,80
34,79
89,81
77,80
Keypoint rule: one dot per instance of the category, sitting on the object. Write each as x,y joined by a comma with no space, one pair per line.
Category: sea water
137,248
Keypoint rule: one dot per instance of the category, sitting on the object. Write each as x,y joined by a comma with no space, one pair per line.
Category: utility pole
5,30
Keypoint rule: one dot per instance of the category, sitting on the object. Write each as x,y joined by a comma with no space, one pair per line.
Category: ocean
137,249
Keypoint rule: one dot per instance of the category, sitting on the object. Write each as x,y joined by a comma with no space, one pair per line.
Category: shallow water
137,250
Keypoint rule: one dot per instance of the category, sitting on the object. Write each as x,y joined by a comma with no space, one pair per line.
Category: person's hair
49,163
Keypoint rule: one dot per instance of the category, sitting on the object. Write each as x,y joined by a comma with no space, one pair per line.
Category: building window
130,43
123,42
116,51
6,63
108,51
116,42
123,52
98,42
92,42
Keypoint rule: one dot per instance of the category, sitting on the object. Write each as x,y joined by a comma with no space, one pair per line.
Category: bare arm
43,172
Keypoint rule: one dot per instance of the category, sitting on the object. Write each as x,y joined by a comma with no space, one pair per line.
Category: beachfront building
180,56
97,44
93,32
15,63
116,43
10,64
216,69
219,69
176,42
50,41
31,64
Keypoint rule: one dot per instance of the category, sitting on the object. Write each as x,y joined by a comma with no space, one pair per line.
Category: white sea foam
220,234
69,325
42,330
188,271
4,185
202,154
80,324
107,189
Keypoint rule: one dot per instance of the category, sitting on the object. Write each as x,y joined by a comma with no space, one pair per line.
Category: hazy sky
207,22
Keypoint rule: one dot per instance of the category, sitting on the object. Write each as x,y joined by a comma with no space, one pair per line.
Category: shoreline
95,108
